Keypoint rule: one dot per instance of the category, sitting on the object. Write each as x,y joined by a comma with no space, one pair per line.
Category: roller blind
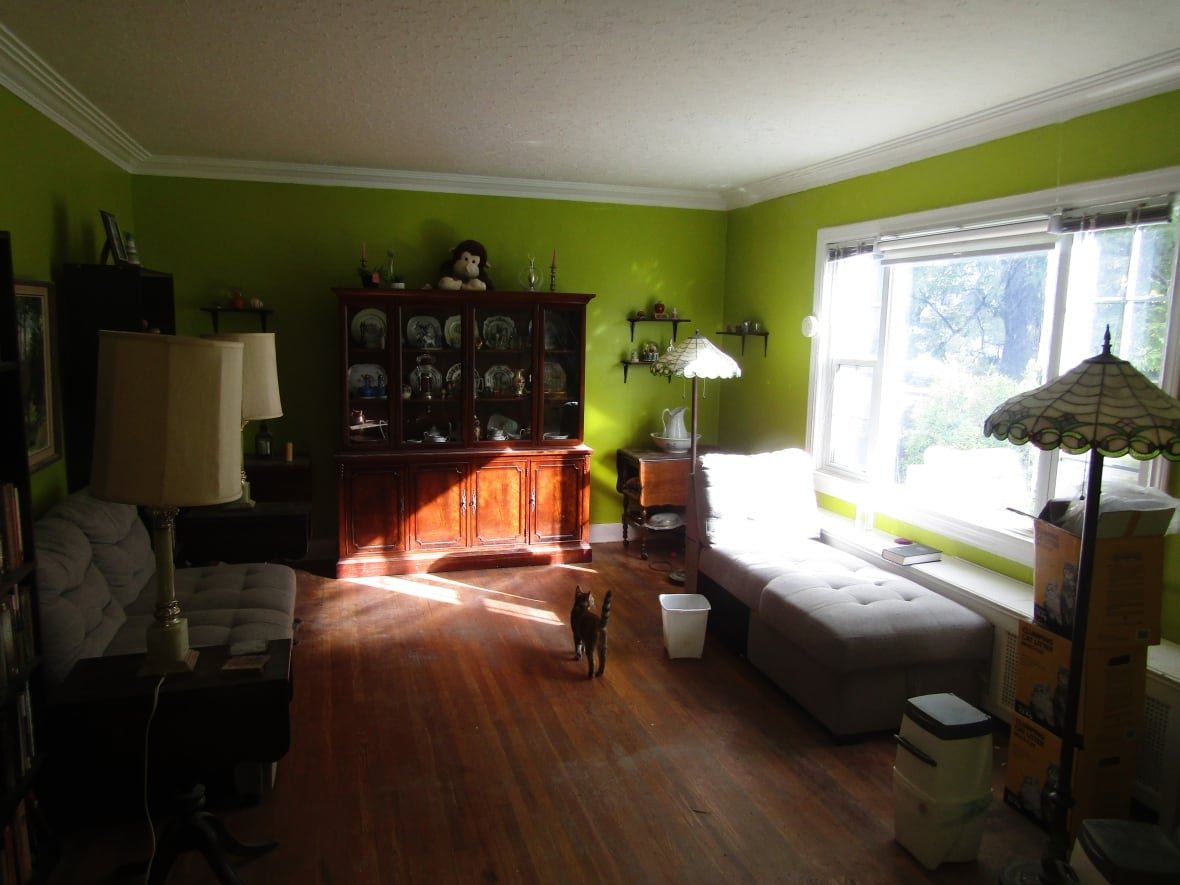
1019,235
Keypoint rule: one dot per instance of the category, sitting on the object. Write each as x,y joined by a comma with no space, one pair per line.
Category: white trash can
686,615
942,779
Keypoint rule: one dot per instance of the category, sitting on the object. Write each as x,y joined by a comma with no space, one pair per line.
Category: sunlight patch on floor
408,587
501,607
574,567
439,588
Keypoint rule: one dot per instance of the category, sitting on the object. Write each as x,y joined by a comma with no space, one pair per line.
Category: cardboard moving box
1114,689
1126,593
1103,774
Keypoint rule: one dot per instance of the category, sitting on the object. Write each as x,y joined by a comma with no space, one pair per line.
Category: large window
924,331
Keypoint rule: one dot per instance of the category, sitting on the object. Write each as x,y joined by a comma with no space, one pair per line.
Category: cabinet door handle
474,501
462,502
532,499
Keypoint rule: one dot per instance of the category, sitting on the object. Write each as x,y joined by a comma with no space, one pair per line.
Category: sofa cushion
867,618
79,615
755,501
224,604
97,587
745,571
121,547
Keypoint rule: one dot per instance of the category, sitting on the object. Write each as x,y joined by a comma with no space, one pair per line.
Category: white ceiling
676,102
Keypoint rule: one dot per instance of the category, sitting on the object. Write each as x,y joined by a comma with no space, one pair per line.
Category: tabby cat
589,629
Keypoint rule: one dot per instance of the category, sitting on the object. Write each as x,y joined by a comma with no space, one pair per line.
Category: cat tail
605,611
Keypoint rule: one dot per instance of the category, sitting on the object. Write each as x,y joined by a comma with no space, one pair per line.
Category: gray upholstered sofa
847,640
96,580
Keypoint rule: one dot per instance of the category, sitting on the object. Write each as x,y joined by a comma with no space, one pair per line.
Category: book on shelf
10,529
912,554
8,652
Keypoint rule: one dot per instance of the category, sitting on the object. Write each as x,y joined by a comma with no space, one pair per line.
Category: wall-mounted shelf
216,311
765,336
627,364
675,323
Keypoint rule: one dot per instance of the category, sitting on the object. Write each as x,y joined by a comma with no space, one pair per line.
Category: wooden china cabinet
461,430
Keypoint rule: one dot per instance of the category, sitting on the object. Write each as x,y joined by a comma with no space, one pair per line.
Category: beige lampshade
168,420
260,374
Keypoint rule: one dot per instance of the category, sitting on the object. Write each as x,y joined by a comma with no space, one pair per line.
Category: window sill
979,589
1015,547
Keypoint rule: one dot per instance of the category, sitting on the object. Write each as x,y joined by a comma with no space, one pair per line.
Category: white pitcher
674,423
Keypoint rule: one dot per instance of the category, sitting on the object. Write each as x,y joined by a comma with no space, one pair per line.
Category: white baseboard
606,532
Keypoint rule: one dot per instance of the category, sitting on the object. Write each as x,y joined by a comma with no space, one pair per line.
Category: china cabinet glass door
562,409
430,374
503,371
367,379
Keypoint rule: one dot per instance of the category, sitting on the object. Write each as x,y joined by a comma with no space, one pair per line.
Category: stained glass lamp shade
696,357
1106,407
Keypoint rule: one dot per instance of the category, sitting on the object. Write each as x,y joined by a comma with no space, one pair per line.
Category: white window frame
1014,546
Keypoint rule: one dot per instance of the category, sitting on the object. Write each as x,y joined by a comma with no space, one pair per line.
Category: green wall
53,187
289,244
770,266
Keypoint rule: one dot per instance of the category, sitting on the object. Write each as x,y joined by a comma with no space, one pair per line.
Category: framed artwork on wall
114,246
37,354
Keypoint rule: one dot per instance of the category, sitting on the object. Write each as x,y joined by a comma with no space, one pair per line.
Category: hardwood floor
442,732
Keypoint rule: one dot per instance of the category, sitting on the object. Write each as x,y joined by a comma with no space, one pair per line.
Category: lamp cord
146,756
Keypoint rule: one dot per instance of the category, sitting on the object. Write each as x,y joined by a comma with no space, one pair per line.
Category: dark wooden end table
207,719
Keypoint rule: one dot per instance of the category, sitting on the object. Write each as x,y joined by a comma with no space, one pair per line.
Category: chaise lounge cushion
848,640
866,618
756,501
97,587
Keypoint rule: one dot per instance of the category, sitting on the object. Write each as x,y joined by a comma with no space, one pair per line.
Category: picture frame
36,316
114,246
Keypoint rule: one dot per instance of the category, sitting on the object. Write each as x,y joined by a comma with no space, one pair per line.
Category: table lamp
167,435
1106,407
260,388
696,357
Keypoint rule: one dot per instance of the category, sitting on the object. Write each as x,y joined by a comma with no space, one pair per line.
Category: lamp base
168,650
245,501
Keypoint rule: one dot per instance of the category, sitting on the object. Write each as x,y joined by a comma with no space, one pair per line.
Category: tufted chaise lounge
850,642
97,587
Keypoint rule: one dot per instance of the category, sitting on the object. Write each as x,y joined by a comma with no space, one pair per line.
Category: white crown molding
391,179
28,77
1141,79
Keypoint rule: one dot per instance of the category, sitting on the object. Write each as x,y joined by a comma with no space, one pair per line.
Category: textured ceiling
691,95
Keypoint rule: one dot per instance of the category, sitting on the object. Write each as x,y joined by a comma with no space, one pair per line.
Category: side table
270,531
273,479
207,720
650,481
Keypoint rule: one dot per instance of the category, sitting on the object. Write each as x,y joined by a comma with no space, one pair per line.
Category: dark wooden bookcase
27,845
